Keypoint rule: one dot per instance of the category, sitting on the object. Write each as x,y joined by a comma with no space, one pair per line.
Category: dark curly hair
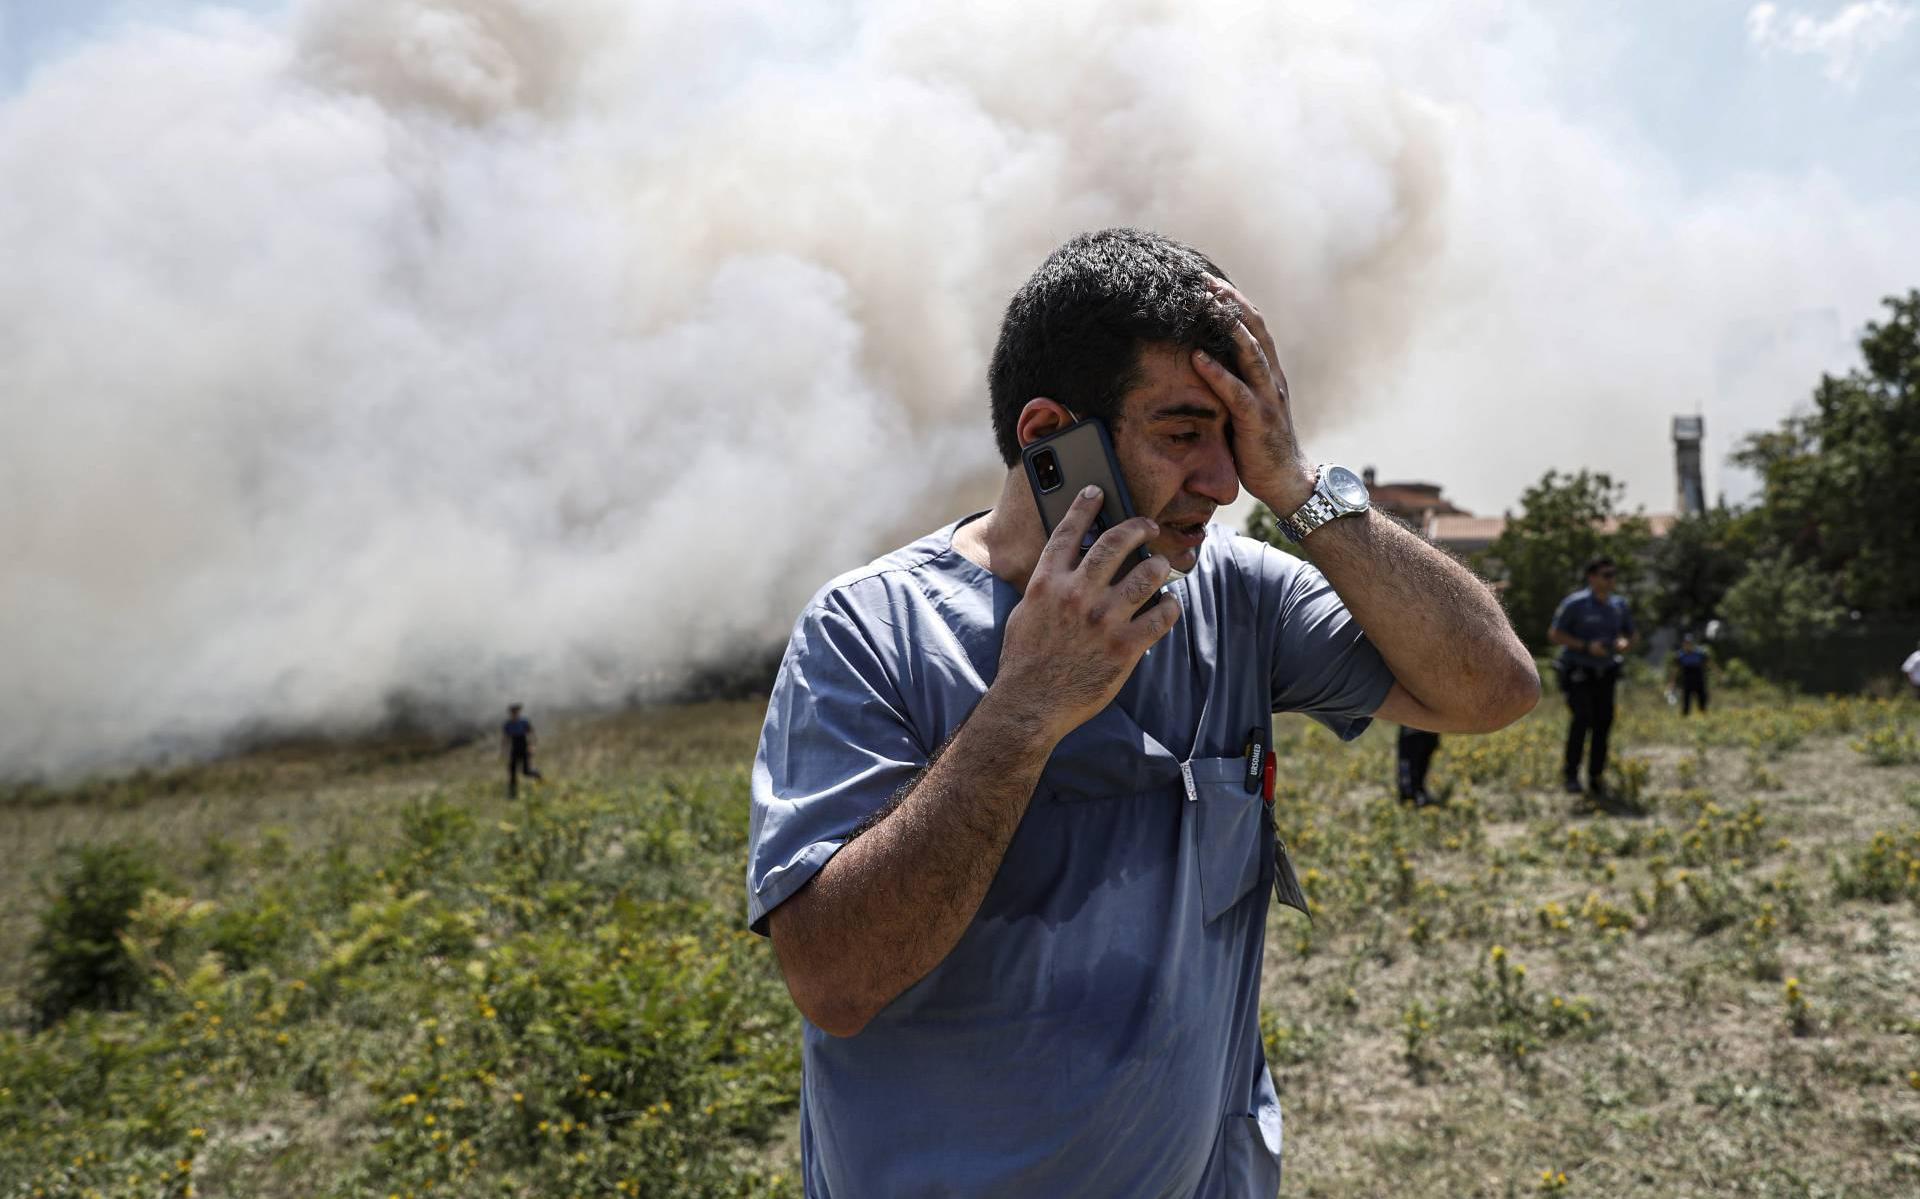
1074,331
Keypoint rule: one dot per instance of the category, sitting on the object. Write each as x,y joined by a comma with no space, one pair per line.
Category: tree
81,956
1841,485
1263,525
1565,522
1690,569
1779,610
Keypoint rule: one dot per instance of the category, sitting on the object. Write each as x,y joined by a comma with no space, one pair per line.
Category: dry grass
316,794
1693,1080
1695,1075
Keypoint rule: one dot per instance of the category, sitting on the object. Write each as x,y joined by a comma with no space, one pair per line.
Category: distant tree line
1821,569
1825,560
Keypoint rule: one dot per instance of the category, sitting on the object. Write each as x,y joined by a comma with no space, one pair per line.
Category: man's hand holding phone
1078,632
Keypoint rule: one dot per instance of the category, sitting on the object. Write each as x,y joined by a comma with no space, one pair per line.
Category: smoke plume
440,352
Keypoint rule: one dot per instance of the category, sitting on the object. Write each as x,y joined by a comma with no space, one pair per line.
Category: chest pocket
1234,848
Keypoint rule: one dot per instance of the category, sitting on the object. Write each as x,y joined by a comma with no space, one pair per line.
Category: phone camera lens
1046,466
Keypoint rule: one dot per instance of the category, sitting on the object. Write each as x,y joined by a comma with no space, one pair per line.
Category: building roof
1447,524
1444,528
1448,527
1411,499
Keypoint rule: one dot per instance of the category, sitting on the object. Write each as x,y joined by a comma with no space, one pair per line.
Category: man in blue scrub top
1005,837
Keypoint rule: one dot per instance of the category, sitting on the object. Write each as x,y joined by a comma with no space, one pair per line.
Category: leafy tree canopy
1780,608
1841,484
1565,521
1263,525
1690,569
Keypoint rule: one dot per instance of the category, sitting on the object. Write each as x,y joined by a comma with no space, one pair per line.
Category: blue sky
1695,81
1688,78
34,31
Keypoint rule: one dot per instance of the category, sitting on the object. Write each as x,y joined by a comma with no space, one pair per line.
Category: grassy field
361,970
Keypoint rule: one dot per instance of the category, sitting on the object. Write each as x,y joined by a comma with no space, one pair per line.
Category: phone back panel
1085,454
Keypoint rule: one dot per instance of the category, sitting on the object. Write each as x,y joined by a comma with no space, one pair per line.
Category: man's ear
1041,417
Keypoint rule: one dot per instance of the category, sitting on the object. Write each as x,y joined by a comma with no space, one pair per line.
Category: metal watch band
1317,511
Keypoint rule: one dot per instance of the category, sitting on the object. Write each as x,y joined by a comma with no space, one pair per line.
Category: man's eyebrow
1183,411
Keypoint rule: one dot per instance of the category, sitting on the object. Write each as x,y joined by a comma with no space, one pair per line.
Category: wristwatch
1338,492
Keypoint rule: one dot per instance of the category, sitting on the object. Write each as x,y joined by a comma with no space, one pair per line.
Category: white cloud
1843,41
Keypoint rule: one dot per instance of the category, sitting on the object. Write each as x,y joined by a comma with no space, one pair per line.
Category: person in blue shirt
516,741
1008,834
1690,674
1594,632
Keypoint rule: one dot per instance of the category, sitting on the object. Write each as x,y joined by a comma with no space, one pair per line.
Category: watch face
1346,487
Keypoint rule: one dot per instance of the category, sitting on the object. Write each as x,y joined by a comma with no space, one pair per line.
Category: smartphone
1059,466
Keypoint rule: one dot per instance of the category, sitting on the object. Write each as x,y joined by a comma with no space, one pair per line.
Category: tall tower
1691,494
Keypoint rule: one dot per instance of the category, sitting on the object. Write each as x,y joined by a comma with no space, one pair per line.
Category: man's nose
1216,478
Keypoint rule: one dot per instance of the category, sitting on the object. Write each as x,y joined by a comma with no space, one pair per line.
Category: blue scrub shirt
1095,1031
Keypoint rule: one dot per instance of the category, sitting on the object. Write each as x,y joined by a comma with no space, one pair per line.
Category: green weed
1888,745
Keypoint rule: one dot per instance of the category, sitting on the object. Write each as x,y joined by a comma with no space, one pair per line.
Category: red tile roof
1449,528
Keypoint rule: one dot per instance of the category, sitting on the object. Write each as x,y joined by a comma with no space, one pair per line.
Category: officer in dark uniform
516,737
1594,632
1415,755
1690,674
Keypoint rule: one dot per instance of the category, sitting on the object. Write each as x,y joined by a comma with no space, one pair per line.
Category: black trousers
1590,698
1416,754
519,762
1691,690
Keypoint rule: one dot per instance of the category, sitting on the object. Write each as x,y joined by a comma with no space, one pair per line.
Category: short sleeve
1323,665
835,747
1563,615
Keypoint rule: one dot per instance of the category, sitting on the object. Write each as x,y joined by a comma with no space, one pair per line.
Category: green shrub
1519,1019
530,1007
249,934
1888,745
1736,675
1886,871
435,832
80,958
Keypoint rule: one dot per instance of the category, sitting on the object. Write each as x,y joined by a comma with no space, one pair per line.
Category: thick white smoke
453,349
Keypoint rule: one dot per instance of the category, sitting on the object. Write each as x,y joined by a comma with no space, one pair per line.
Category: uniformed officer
516,742
1689,674
1415,753
1594,632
